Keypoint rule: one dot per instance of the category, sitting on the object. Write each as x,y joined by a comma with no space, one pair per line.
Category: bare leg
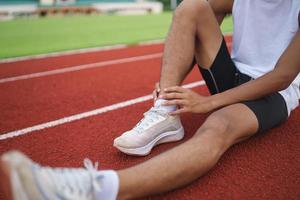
221,130
194,23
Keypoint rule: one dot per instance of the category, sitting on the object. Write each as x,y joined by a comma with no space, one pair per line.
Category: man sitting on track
252,91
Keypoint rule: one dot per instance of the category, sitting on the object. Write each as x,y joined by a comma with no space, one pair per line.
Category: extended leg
192,158
172,169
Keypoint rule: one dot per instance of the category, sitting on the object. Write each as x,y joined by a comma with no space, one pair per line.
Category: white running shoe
26,180
155,128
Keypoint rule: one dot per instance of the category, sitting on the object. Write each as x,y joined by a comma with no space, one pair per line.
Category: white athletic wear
263,29
31,181
155,128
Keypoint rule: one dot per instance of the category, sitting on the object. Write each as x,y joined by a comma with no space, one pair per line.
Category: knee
191,9
217,128
217,123
215,133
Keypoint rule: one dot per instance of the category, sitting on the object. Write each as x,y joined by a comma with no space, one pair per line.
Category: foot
155,128
26,180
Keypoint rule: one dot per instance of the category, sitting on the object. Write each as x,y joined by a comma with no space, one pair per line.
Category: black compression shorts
270,110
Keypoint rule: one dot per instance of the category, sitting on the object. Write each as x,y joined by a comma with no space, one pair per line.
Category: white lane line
79,116
81,67
63,53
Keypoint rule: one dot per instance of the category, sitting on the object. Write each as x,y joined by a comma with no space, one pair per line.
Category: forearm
189,101
221,9
285,71
269,83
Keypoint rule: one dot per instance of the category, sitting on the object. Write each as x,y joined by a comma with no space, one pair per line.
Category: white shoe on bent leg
155,128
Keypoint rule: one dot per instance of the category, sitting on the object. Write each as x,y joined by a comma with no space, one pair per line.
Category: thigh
237,122
270,111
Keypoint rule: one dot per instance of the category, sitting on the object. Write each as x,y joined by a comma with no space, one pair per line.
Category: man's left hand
187,100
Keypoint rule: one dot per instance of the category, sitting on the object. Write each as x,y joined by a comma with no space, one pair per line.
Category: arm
285,71
221,8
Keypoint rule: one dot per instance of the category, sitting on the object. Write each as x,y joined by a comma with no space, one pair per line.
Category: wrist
216,101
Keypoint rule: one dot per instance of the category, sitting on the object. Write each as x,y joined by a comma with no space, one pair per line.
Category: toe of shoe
127,140
118,142
16,158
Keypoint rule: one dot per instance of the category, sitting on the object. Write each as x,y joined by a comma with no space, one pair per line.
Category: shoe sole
10,181
171,136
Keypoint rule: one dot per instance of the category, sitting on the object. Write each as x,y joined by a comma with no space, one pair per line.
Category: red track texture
264,167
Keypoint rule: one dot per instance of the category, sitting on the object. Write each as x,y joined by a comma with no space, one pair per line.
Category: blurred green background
22,37
31,34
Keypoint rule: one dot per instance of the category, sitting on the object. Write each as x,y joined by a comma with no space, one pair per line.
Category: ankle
159,103
110,185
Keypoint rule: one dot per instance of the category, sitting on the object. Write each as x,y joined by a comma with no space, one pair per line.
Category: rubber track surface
264,167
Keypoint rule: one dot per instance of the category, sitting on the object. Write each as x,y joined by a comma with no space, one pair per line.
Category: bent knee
218,123
191,9
216,132
227,127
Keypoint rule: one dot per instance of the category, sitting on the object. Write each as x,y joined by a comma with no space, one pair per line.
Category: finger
173,95
157,87
154,94
175,89
179,111
174,102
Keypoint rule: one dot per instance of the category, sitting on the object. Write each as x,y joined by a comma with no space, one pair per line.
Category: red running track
264,167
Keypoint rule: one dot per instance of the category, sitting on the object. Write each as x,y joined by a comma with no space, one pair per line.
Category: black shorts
270,110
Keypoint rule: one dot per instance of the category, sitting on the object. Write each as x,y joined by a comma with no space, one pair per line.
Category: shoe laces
74,183
150,117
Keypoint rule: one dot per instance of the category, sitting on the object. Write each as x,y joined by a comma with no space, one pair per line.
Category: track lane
90,113
19,68
81,67
59,62
265,167
26,102
29,102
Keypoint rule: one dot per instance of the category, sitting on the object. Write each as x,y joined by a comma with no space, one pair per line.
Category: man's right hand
156,91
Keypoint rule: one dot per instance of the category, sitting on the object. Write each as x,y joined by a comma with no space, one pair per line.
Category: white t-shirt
263,29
